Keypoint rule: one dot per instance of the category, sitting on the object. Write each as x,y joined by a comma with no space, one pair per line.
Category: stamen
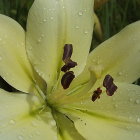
68,49
109,85
110,91
96,94
67,79
108,81
70,64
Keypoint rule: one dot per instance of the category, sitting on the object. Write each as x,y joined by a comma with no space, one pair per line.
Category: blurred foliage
16,9
113,15
116,14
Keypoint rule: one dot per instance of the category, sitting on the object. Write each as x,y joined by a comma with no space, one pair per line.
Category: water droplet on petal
42,35
77,27
51,18
120,73
34,124
31,136
137,101
38,133
53,123
20,137
138,120
86,32
80,13
12,122
39,40
44,20
115,105
0,58
85,10
130,99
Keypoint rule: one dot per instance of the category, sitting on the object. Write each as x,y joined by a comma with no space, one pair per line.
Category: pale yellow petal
123,105
51,25
20,118
66,128
14,65
114,117
119,56
96,127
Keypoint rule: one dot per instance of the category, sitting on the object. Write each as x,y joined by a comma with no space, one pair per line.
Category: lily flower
65,93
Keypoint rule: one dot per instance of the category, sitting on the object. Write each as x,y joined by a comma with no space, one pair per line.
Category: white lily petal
19,118
123,105
95,127
66,128
14,65
51,25
116,117
119,56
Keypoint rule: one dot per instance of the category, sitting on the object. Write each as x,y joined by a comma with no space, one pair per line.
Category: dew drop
44,20
51,18
85,10
20,137
42,35
130,99
137,101
86,32
77,27
115,105
53,123
138,120
12,122
38,133
39,40
31,136
34,124
128,127
80,13
120,73
0,58
42,60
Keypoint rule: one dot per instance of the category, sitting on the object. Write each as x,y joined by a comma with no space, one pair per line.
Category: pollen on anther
96,94
109,85
67,79
68,49
70,64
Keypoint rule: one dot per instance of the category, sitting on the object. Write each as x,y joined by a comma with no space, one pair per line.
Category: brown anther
68,49
109,85
70,64
108,81
67,79
96,94
110,91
